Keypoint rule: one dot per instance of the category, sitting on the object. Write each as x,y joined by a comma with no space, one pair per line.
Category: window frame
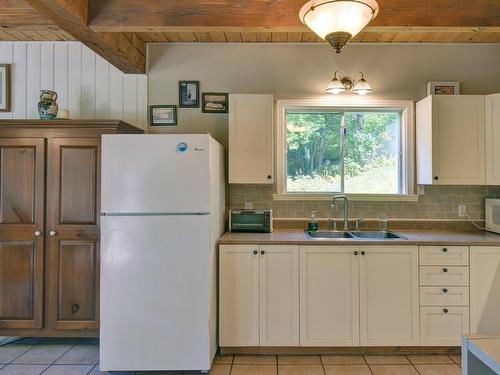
406,107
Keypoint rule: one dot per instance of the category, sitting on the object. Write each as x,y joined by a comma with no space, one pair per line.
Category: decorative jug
47,106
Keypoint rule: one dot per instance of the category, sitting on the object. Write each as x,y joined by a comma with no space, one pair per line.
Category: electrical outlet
462,210
248,205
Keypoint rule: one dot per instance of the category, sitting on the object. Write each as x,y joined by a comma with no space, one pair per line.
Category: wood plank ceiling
122,27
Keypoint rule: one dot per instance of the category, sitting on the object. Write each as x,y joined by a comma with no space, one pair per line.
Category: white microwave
492,213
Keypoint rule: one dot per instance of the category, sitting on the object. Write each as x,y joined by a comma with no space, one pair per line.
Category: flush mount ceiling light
341,84
338,21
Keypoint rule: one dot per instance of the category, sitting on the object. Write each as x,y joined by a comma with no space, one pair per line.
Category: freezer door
154,293
155,173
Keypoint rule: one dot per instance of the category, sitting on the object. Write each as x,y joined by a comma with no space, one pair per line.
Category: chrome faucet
346,208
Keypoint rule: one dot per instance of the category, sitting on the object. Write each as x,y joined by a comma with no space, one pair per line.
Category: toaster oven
258,221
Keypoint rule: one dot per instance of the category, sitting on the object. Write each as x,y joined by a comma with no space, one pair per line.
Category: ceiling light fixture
341,84
338,21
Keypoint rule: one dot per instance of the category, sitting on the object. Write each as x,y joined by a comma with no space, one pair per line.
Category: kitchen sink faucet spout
346,208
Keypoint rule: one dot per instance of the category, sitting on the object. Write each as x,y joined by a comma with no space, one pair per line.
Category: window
359,150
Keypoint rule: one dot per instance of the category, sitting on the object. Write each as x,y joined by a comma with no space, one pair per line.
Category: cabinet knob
52,233
355,253
363,253
255,252
269,176
37,233
75,308
262,252
445,290
436,178
445,270
445,311
445,250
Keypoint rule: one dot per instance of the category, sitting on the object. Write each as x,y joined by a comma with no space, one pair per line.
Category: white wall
395,71
87,85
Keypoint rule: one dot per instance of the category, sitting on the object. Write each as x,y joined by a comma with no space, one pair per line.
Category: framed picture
162,115
214,102
189,94
443,88
4,87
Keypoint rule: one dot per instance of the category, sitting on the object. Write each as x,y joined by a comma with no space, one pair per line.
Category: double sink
355,235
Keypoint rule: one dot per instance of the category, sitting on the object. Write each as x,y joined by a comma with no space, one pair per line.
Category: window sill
351,197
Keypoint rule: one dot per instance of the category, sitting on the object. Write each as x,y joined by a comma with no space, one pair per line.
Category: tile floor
30,356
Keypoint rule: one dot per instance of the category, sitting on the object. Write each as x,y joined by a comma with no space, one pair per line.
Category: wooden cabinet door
22,189
443,326
329,296
485,289
239,295
389,310
459,140
72,266
492,106
279,295
251,132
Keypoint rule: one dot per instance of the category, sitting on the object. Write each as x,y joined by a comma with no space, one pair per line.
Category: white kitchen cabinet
329,295
239,295
259,295
450,133
389,304
443,326
485,289
492,108
251,159
279,295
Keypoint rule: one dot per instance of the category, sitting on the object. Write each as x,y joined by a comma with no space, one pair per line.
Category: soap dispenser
312,224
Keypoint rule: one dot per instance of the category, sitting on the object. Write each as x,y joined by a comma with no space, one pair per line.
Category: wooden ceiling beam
279,15
17,14
72,15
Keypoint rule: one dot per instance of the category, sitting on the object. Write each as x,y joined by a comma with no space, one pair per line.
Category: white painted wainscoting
87,85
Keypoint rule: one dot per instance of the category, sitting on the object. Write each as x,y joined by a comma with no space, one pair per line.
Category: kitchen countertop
414,237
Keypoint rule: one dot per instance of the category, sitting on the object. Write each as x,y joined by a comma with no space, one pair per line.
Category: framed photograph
189,94
443,88
4,87
214,102
162,115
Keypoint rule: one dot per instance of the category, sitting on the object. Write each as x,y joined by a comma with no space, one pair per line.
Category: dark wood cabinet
49,225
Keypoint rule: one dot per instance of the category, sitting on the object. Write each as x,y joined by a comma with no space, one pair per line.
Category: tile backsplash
437,202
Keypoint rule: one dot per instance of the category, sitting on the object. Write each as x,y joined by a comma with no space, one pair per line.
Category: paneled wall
87,85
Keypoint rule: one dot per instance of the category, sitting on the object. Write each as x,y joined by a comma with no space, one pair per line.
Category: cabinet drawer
444,255
440,328
444,276
444,296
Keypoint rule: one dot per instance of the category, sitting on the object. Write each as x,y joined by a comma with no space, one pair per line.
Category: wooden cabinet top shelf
110,125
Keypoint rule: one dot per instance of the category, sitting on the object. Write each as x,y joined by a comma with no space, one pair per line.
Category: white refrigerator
162,211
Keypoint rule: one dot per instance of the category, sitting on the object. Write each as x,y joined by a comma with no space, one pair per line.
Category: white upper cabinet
451,140
492,106
251,132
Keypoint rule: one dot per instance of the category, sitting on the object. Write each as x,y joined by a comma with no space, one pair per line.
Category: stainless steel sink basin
356,235
376,234
329,234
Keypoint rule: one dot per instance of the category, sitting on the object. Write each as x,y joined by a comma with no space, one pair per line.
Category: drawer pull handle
445,290
75,308
445,270
255,252
445,311
445,250
355,253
